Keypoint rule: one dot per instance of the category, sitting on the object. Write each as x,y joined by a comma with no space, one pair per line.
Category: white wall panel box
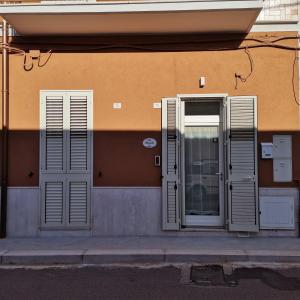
282,146
266,150
282,158
277,212
282,170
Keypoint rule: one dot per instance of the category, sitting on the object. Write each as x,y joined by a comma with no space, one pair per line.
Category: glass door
203,171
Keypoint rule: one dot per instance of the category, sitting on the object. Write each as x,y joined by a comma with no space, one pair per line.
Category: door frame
221,98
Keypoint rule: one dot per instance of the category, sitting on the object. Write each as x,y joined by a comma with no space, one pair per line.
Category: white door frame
204,120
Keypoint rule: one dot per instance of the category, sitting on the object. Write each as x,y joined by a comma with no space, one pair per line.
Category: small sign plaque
149,143
157,105
117,105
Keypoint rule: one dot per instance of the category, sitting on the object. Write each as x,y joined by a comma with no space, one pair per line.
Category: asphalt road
133,283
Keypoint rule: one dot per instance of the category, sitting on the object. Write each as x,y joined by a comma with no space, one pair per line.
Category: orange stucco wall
137,79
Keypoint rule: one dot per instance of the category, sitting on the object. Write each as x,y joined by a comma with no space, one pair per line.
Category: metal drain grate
210,276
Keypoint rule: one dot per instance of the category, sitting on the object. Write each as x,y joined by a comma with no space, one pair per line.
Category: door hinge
230,187
175,186
175,167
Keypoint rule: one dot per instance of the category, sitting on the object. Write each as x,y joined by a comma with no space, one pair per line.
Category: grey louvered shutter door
78,157
53,166
242,160
53,158
170,165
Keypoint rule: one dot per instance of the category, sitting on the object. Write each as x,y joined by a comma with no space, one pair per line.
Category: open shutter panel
170,165
242,189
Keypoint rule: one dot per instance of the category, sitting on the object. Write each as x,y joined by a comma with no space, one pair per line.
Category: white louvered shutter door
242,173
170,164
53,167
79,143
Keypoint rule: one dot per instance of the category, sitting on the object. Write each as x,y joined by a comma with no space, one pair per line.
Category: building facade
176,118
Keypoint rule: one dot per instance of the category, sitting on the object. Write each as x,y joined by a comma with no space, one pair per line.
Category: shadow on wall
119,159
132,43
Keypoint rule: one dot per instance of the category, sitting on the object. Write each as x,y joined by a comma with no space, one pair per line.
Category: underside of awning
135,17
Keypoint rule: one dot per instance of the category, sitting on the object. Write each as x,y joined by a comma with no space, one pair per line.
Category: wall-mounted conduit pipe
5,97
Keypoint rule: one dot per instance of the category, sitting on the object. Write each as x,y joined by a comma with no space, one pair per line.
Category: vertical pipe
4,132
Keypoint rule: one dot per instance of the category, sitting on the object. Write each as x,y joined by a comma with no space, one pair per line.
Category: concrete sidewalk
152,250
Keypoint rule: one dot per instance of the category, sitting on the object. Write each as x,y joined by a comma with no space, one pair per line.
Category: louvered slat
78,203
78,133
242,159
54,134
53,203
170,164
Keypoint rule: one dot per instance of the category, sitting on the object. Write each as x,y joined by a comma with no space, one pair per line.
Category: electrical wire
164,46
48,54
26,66
293,78
241,77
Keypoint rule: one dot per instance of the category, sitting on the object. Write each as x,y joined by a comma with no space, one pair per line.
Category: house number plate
149,143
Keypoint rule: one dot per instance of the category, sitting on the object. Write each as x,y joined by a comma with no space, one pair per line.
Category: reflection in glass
202,108
201,170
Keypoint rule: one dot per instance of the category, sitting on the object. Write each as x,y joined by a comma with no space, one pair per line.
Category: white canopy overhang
132,17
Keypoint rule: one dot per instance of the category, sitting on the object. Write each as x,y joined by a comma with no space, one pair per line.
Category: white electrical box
282,170
282,158
282,146
266,150
277,212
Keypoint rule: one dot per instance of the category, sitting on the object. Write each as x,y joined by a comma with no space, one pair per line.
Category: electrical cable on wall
27,57
293,77
48,54
241,77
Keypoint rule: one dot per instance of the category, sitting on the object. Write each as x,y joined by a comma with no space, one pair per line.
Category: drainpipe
3,210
